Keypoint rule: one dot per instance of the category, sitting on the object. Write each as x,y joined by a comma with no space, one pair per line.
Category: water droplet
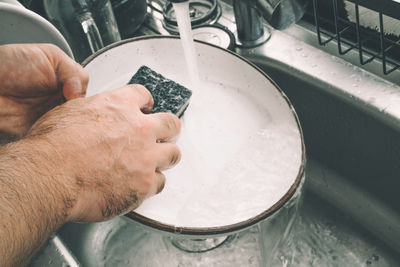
299,48
355,85
304,55
251,259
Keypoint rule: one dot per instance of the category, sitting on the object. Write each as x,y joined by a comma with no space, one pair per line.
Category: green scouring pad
168,95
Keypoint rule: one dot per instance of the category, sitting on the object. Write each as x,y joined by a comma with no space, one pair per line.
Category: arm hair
32,200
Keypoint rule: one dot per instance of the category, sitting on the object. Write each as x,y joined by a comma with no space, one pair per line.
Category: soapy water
312,241
236,162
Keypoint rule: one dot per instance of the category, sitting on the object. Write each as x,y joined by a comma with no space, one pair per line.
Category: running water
227,174
185,32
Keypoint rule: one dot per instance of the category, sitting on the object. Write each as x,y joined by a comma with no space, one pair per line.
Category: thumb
73,88
74,80
69,74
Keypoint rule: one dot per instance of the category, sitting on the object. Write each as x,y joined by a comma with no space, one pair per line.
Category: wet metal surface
350,212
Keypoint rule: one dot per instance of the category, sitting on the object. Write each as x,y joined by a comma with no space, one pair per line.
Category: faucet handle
281,14
249,24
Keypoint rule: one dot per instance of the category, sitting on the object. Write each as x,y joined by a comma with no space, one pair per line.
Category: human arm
89,159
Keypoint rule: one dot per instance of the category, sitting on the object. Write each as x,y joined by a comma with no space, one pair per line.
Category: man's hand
89,159
109,153
34,78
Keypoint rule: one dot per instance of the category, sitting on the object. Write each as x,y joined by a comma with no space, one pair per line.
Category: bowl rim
212,231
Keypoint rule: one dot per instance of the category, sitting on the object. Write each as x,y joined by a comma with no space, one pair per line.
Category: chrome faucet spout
280,14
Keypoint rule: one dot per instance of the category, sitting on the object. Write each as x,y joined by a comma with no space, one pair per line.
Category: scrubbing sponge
168,95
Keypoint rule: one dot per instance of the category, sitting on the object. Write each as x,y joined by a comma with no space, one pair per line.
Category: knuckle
148,162
139,88
172,122
115,95
175,156
144,126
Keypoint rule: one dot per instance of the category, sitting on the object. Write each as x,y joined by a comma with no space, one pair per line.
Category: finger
170,155
74,81
159,182
70,74
134,94
73,87
168,126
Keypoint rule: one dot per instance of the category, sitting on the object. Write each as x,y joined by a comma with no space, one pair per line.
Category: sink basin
350,212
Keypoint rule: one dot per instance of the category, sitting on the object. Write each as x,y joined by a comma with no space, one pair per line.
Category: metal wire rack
371,44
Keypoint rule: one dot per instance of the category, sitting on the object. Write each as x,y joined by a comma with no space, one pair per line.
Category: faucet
249,15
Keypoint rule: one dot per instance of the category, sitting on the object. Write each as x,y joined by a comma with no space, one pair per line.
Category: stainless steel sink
350,213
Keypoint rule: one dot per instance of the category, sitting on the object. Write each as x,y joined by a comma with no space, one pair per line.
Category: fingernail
73,88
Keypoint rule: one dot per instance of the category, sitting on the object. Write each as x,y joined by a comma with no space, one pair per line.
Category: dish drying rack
371,44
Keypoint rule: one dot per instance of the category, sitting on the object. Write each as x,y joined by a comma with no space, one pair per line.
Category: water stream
185,32
200,213
320,236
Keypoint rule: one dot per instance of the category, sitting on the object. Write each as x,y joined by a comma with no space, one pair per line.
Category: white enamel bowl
230,181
